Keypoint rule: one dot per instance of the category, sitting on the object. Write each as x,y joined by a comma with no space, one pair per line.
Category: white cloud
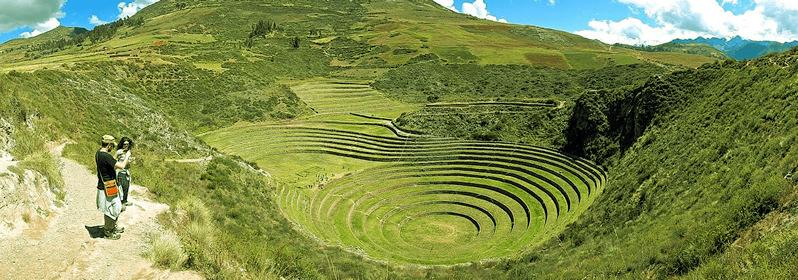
632,31
775,20
480,10
477,9
130,9
18,13
782,12
94,20
42,27
551,2
695,15
447,3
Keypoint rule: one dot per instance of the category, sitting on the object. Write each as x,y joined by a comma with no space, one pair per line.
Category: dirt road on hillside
68,245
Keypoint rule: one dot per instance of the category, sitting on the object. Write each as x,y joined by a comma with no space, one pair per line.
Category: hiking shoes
112,235
119,230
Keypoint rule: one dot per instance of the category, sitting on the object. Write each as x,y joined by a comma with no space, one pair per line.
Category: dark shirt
105,167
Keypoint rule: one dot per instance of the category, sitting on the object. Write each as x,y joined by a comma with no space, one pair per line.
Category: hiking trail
68,245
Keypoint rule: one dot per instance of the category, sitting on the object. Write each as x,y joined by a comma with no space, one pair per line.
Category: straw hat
108,139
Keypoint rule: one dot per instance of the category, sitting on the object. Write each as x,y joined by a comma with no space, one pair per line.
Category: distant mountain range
739,48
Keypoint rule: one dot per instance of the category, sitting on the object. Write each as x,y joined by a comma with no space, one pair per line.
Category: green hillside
397,139
699,177
343,33
689,48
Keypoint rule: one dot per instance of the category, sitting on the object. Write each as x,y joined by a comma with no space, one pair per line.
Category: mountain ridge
739,48
450,36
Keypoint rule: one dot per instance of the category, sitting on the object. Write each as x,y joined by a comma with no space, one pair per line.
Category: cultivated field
349,177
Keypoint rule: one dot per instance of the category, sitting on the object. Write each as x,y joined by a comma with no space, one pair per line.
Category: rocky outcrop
6,141
25,195
605,123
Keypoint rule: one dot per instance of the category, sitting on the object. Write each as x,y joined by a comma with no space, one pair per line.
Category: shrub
295,42
191,210
166,251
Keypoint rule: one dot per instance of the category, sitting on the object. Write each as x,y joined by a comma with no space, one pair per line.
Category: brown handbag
111,190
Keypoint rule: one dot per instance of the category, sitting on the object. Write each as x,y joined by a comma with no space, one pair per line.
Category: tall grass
30,151
166,251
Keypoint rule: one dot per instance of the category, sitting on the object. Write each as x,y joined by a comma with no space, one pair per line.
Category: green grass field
350,178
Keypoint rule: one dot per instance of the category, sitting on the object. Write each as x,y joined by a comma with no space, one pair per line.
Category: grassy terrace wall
350,178
326,96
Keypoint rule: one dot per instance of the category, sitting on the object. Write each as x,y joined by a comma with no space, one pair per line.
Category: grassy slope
400,31
429,28
432,82
718,168
14,50
689,48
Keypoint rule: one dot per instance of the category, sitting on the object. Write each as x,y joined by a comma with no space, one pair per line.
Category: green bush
166,251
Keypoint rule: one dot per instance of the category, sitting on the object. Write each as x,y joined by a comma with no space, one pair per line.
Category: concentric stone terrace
365,185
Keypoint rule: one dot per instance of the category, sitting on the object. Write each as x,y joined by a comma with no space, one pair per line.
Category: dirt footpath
69,244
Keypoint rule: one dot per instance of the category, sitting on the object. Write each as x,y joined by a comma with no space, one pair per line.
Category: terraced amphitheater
351,178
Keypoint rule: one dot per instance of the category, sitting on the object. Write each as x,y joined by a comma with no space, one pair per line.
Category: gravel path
66,246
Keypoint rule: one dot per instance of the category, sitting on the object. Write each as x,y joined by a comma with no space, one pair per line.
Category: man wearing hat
108,199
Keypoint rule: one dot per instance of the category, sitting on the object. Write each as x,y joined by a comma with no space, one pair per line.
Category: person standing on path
123,177
108,200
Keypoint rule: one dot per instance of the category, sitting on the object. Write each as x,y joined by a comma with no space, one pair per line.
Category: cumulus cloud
782,12
42,27
94,20
15,13
130,9
477,9
480,10
447,3
775,20
632,31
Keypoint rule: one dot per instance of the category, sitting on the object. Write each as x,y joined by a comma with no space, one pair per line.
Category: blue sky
23,18
634,22
645,22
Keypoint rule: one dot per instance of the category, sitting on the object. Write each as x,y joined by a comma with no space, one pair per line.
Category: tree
263,28
295,42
